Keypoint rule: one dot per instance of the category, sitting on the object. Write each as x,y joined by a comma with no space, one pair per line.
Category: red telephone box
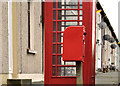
60,14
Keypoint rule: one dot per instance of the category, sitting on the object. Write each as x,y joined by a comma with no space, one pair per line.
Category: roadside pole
79,74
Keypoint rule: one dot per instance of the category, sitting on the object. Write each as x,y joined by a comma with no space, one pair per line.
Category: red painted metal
53,45
73,43
89,60
48,42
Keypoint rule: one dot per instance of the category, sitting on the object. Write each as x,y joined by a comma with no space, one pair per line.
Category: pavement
101,79
110,78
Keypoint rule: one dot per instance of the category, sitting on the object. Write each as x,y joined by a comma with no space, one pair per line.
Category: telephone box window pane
54,3
80,7
59,26
62,28
68,1
70,18
70,71
70,63
60,48
66,71
80,17
54,60
63,25
53,71
60,37
80,23
59,14
54,37
59,60
80,12
54,26
54,48
73,4
65,13
68,4
60,71
70,24
59,4
67,24
54,14
80,2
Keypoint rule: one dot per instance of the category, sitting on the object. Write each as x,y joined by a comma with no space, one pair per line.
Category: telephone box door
60,14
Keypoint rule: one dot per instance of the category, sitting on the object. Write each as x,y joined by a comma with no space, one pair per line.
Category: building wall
103,46
29,63
107,47
4,59
5,62
108,52
0,43
98,37
117,57
105,55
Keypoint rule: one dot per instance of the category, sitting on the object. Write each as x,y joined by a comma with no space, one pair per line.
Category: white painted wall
117,57
98,46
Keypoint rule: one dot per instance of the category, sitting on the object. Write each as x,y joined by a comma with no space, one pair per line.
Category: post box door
73,43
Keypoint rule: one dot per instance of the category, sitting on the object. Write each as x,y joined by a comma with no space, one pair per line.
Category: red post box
73,43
